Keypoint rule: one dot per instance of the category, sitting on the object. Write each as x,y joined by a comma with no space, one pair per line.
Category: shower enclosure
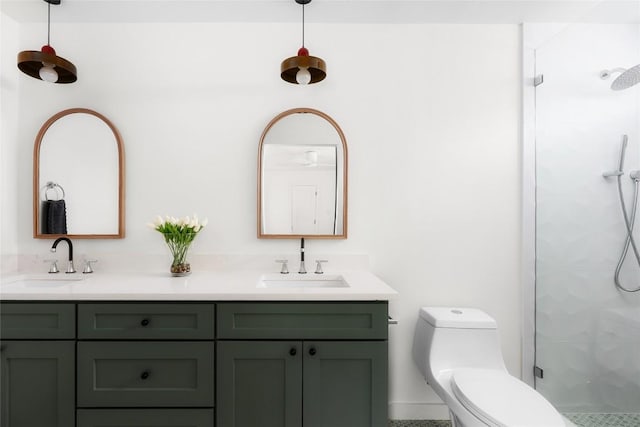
585,351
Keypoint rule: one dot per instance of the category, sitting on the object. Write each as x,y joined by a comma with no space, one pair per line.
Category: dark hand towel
54,217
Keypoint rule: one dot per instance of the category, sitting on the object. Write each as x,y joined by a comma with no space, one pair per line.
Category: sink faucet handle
319,266
53,267
87,266
284,269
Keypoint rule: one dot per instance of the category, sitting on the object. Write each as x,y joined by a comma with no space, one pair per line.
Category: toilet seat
500,400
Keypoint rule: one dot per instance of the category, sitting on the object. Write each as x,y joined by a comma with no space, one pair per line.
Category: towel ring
52,186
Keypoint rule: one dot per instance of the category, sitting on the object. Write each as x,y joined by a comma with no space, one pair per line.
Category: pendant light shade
44,64
303,69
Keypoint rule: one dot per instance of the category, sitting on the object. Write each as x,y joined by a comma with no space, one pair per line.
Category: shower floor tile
605,420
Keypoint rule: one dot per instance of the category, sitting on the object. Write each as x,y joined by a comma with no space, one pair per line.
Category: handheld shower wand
620,171
623,150
628,222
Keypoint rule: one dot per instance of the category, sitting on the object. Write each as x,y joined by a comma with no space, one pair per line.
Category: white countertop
199,286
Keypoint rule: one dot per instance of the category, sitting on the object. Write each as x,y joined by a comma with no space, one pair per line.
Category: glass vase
180,269
179,244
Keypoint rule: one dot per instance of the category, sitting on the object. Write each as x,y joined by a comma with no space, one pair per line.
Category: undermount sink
45,280
309,280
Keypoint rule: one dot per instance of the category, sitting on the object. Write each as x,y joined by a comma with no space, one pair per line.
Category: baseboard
418,411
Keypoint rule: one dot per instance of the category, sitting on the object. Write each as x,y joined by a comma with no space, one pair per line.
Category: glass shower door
587,330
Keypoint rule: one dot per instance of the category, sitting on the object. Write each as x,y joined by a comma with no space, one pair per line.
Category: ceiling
330,11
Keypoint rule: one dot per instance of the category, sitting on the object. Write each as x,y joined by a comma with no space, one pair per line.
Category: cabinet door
38,383
259,384
345,384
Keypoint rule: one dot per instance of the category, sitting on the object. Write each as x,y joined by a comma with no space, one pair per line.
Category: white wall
431,117
8,143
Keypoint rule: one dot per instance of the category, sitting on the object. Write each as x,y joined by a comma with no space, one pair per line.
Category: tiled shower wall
587,331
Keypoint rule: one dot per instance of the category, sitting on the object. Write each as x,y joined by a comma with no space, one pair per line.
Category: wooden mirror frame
275,120
36,178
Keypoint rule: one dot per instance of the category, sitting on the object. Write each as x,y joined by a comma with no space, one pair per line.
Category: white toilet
458,352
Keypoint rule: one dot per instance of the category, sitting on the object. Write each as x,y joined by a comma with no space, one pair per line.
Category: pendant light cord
49,24
303,25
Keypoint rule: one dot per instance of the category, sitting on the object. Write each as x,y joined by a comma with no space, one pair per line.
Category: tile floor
605,420
581,420
419,423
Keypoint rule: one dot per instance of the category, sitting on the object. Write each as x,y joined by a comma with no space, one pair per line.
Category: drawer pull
293,351
144,375
145,322
312,351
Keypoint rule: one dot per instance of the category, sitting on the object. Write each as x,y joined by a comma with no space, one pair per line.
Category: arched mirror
78,177
302,177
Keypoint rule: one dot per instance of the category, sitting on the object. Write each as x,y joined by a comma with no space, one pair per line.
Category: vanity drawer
285,320
151,321
145,418
145,374
37,321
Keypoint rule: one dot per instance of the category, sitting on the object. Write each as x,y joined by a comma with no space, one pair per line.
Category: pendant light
44,64
303,69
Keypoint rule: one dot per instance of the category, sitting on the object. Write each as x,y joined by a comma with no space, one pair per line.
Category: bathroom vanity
223,348
211,349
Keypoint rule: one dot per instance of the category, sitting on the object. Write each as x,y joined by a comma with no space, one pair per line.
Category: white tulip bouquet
179,233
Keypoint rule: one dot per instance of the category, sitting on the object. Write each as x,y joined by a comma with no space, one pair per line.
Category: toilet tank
451,338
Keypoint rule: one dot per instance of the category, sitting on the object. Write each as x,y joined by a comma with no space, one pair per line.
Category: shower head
626,79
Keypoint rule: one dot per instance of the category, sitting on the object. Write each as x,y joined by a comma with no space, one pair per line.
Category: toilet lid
500,400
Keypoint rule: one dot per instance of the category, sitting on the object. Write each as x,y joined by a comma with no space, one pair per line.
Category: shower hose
629,223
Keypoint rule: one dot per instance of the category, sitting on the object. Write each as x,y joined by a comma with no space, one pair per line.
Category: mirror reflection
78,177
302,177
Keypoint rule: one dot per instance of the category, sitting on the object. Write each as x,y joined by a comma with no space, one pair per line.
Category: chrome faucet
302,269
70,268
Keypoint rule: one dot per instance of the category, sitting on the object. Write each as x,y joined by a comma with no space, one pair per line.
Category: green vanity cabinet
37,375
193,364
296,364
